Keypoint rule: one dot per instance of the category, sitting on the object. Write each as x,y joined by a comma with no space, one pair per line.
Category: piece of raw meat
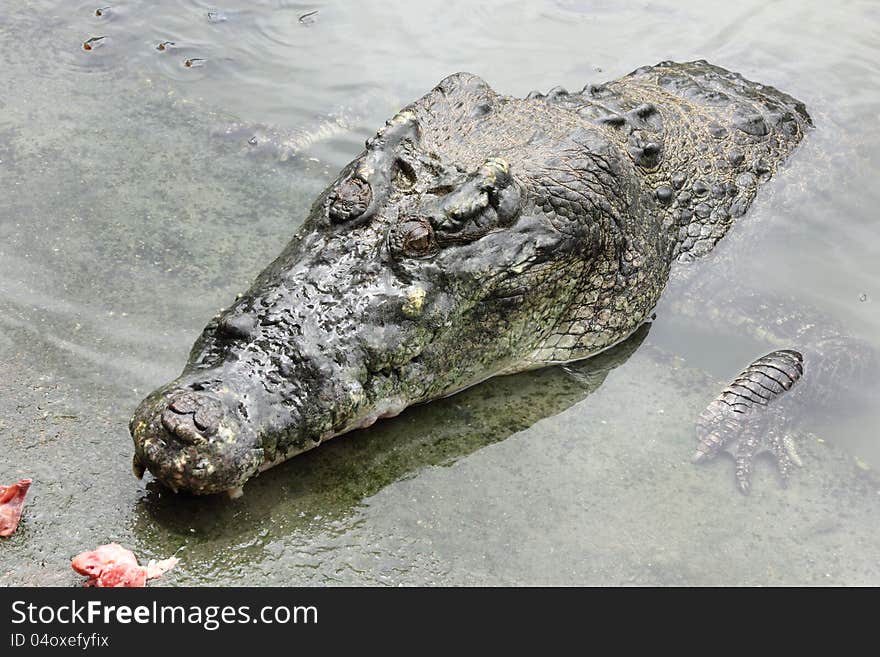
113,565
11,503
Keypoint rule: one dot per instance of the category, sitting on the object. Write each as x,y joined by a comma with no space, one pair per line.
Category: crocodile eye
412,237
350,200
418,237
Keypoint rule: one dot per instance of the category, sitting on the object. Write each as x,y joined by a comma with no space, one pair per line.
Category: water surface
140,195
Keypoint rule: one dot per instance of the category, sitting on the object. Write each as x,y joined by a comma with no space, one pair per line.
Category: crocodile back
704,139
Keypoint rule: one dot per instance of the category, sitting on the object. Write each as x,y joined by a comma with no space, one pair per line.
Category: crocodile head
439,257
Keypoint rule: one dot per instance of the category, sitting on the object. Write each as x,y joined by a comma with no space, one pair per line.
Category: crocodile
476,235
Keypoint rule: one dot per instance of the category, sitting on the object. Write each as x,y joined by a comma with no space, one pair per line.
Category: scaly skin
737,420
476,235
822,369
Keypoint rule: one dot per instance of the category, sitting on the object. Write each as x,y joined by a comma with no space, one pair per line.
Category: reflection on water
141,194
331,482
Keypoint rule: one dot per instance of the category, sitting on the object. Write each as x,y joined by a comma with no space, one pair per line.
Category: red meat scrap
11,503
113,565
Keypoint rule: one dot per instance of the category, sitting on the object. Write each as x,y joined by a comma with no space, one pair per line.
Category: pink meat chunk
113,565
11,503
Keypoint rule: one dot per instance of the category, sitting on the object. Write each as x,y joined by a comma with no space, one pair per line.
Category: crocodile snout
194,440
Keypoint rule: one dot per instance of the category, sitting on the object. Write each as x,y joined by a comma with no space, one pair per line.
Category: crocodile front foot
743,422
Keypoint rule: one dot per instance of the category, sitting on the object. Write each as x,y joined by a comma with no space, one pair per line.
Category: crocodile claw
744,421
752,441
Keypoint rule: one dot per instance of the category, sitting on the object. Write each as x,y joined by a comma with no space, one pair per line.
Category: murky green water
134,206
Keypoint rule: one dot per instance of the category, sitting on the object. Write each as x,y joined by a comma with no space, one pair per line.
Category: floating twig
92,43
304,19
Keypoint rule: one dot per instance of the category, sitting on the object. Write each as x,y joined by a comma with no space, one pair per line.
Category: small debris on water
863,297
11,504
93,43
308,19
194,62
253,142
216,17
112,565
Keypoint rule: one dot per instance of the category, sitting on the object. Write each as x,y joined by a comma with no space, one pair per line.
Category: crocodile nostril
182,426
207,419
192,417
185,403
